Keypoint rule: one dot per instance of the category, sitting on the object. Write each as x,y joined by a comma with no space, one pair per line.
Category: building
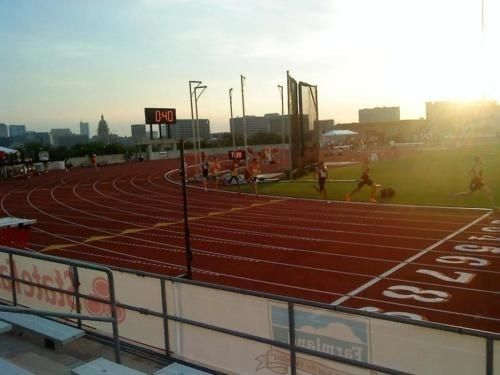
379,114
476,113
15,130
4,131
183,129
269,123
55,134
102,128
138,132
325,126
85,129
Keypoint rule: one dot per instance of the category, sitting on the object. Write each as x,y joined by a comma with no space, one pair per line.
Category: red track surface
389,258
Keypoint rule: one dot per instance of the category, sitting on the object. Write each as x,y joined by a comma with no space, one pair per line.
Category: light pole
198,83
242,77
196,97
231,121
280,88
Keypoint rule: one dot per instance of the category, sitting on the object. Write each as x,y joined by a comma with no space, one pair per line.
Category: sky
66,61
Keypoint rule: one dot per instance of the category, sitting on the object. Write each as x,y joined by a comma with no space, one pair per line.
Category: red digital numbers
164,117
160,115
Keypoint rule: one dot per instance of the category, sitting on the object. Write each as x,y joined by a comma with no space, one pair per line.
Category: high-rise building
379,114
4,131
84,129
269,123
15,130
183,129
102,128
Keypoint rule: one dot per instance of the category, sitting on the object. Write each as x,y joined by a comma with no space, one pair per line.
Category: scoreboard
237,155
160,115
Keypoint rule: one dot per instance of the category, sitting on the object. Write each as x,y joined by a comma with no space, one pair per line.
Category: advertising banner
439,352
5,284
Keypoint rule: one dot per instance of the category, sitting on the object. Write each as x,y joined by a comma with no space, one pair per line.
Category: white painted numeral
417,294
463,277
484,237
491,229
471,261
402,314
478,248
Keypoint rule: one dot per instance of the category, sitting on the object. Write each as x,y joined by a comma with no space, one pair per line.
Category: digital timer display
160,115
237,155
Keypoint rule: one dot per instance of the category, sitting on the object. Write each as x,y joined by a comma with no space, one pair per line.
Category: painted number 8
421,295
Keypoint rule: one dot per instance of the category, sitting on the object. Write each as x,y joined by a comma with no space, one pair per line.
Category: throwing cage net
14,232
304,132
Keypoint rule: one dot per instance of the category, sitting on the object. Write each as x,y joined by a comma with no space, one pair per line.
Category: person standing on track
205,167
235,174
364,180
93,161
477,183
215,168
322,176
253,171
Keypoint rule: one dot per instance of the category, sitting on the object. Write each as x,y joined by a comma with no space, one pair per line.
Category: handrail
55,314
74,263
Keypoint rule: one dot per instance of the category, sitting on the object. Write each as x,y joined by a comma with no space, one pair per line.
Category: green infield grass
428,177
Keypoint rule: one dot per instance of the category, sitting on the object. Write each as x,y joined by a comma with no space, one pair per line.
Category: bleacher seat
51,330
102,366
8,368
178,369
5,327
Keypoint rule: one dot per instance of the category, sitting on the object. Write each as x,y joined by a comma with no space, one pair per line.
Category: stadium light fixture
243,78
191,91
231,120
196,97
280,88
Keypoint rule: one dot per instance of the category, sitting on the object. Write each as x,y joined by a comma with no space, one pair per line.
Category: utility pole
191,92
280,87
242,77
231,127
196,97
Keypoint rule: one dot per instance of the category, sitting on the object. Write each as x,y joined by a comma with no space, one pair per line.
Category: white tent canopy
7,150
339,133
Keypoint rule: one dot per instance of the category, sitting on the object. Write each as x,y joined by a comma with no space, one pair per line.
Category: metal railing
74,292
291,303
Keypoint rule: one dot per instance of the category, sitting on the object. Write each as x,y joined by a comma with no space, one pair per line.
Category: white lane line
406,262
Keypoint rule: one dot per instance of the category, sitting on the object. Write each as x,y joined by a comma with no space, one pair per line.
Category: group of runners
477,183
322,178
211,171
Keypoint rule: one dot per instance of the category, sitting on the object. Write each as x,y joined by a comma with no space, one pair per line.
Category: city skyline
121,56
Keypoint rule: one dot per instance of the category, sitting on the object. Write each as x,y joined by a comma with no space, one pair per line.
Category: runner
253,171
93,161
477,183
364,180
205,167
215,168
235,174
322,175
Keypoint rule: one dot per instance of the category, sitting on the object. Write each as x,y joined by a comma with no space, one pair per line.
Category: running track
436,264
